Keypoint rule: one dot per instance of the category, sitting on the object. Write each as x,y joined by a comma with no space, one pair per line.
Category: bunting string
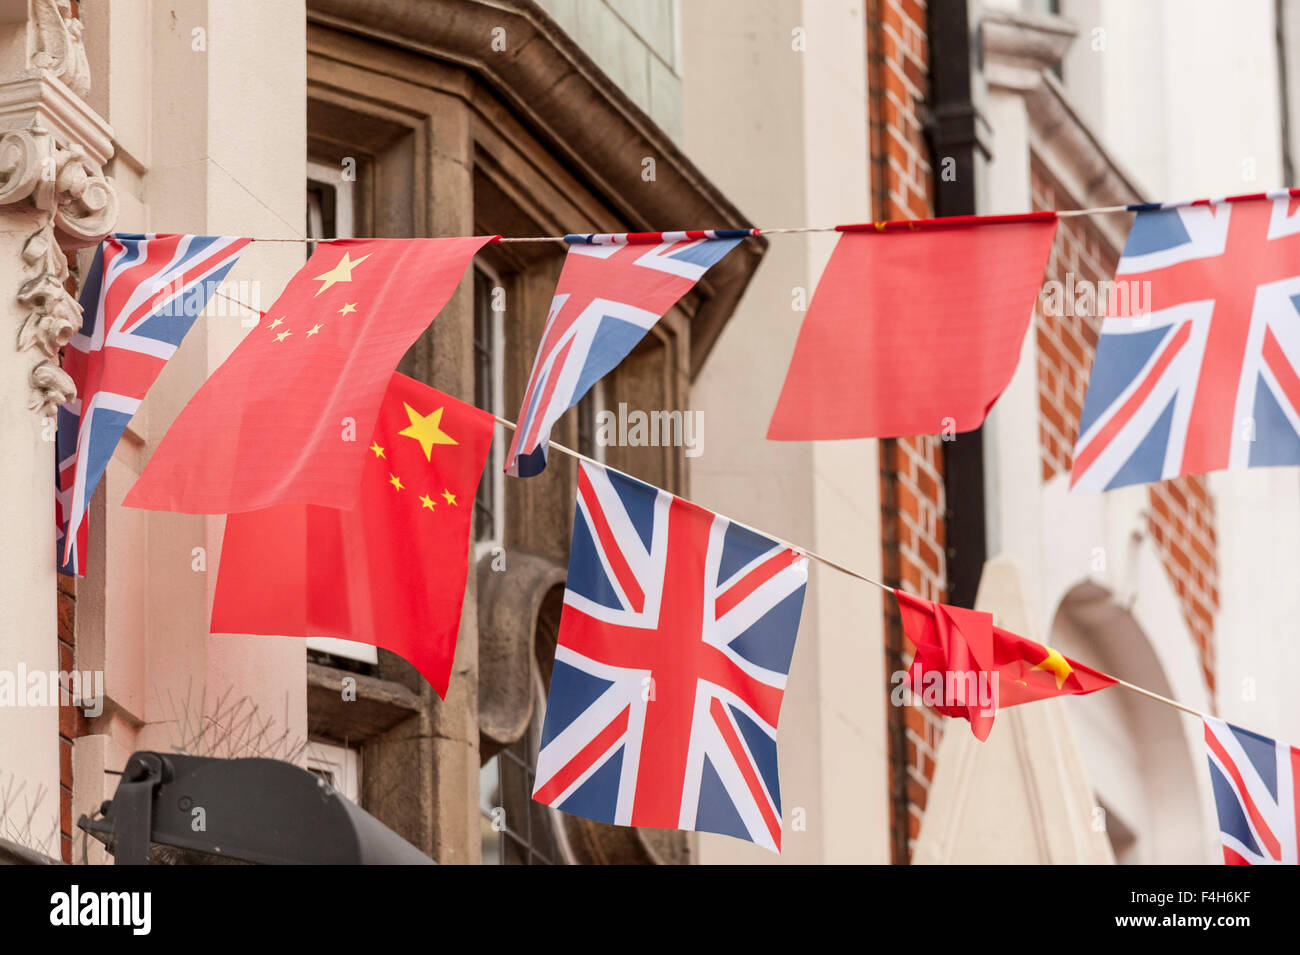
834,564
807,552
988,277
888,225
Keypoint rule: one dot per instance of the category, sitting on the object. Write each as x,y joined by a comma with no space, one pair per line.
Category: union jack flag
1196,366
674,645
141,295
612,289
1256,783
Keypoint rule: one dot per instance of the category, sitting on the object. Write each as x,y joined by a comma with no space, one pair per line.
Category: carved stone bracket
53,148
53,317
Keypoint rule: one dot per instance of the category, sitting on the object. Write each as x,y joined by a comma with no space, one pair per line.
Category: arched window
1140,764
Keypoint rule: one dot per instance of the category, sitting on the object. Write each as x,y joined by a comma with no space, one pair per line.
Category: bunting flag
915,328
390,571
1198,364
285,417
611,291
966,667
1256,782
139,299
674,646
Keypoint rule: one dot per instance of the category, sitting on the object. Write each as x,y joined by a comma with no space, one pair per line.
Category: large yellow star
1056,665
427,429
341,272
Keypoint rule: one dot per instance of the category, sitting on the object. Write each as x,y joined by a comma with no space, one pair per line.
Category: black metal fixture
171,808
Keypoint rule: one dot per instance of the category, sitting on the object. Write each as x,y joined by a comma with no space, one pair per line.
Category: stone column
54,198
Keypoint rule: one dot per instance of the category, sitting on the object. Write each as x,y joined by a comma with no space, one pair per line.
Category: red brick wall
911,469
71,720
1181,522
1180,517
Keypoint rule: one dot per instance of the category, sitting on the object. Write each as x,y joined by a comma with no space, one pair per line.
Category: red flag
914,331
966,667
390,571
272,424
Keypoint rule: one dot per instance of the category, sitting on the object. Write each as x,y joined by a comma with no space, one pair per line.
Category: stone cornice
1077,160
1016,47
39,97
578,112
1020,52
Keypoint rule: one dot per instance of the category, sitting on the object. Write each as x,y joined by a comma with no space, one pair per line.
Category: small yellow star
348,308
395,481
449,498
374,446
277,323
283,335
426,501
427,429
1056,665
340,273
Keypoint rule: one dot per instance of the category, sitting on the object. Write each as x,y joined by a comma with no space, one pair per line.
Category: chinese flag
977,668
285,416
914,331
389,571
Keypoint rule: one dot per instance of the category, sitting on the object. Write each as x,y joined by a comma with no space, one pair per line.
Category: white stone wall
210,133
1189,98
783,133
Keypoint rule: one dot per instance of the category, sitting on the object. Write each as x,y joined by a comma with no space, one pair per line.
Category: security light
197,810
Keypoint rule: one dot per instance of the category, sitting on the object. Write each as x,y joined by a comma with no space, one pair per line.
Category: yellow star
348,308
283,335
427,429
277,323
374,446
426,501
1056,665
449,498
314,329
395,481
340,273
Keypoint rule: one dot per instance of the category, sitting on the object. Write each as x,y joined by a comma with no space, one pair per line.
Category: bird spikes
20,809
228,729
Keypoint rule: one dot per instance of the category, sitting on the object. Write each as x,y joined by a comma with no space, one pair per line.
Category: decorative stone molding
1019,52
57,44
53,317
1018,47
1076,159
53,148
